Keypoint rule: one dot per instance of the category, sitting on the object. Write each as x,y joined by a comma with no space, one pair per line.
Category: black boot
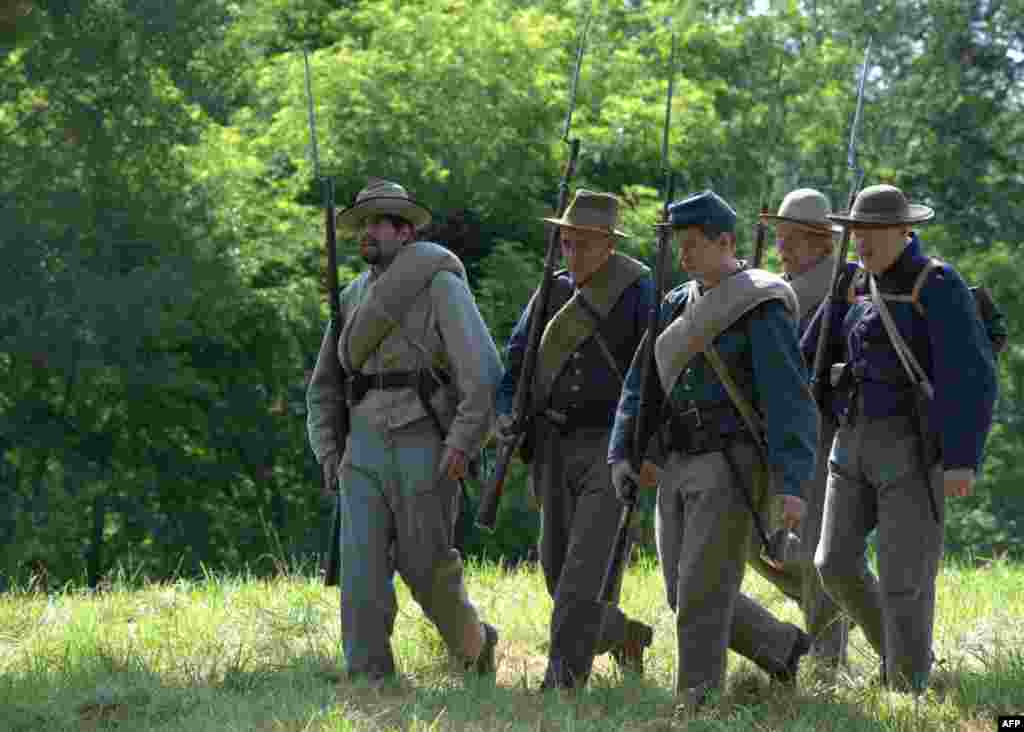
630,655
787,675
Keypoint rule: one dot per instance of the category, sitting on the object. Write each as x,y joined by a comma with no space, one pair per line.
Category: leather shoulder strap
922,276
915,373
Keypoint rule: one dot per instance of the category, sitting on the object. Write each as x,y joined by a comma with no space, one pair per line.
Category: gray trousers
397,513
877,479
571,480
798,579
704,530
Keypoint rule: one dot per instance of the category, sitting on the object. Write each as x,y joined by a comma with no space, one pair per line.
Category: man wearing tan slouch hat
420,371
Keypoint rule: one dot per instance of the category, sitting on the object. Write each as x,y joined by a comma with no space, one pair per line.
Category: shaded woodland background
161,288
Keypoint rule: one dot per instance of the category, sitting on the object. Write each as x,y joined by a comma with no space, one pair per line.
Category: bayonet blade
666,164
851,152
576,76
312,117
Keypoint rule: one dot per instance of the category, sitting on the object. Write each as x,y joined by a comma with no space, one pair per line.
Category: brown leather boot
630,655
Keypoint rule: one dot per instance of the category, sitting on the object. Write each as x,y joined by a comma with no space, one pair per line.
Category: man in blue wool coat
738,418
914,384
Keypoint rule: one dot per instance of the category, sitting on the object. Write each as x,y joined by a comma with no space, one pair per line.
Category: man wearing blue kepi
915,379
740,419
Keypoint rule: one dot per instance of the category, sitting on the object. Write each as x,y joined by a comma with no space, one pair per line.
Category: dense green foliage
162,294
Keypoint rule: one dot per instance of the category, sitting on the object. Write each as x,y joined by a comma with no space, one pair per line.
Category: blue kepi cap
702,208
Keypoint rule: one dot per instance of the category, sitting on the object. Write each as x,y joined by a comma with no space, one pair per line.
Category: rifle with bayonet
760,228
821,369
341,426
490,498
641,427
760,233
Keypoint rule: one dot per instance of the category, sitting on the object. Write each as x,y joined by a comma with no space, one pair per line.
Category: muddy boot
630,655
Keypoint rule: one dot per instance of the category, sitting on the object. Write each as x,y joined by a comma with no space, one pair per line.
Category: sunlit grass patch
239,653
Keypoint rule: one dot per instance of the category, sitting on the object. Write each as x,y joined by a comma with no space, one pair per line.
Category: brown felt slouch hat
382,197
884,205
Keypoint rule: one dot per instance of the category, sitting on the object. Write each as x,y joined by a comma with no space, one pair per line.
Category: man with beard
914,385
421,369
733,389
598,308
804,238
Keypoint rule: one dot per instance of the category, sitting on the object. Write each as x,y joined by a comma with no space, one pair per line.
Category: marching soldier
914,387
421,370
804,238
598,312
738,411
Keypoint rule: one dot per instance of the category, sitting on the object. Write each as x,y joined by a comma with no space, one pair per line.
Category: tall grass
243,653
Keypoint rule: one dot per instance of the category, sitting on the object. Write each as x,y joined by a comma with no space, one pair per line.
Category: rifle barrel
490,498
820,378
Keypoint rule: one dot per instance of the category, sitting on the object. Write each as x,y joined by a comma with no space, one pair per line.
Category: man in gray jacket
420,371
804,236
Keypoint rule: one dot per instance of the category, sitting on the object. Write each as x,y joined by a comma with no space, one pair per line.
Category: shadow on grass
312,693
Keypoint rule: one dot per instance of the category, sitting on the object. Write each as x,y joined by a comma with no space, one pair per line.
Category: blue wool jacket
763,344
588,386
949,341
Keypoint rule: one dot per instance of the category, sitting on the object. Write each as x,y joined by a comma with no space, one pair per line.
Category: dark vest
582,390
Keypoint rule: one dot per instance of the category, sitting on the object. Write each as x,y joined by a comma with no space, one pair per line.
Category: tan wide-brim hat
590,211
382,197
884,205
806,208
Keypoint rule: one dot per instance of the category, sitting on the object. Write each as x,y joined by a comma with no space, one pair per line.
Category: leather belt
359,384
590,416
698,429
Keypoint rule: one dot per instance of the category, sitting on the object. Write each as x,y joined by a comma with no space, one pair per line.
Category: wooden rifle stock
487,514
820,372
760,234
341,426
638,443
641,429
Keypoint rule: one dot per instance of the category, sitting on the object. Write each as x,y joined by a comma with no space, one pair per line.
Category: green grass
236,653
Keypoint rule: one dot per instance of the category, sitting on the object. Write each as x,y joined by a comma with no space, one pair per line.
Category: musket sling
755,427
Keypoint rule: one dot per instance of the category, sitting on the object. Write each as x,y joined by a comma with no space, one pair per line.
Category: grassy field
235,653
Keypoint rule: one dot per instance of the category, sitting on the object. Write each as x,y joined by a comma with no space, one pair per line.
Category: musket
760,234
820,378
760,228
641,426
490,497
334,303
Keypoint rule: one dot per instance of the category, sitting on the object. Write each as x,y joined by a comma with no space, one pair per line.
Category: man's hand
624,478
793,509
454,464
959,485
503,428
330,469
649,475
